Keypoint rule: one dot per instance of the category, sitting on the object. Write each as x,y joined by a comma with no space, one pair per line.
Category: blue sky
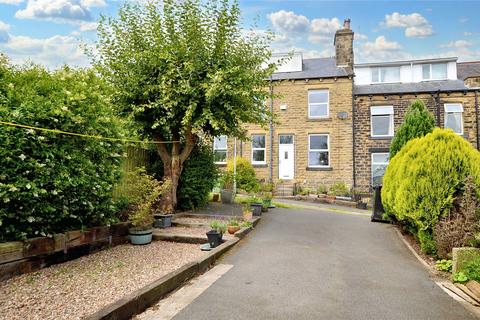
49,31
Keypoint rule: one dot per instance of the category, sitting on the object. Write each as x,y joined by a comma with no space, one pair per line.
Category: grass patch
286,205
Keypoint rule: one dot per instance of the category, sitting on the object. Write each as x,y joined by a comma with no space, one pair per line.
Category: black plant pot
257,209
214,238
162,220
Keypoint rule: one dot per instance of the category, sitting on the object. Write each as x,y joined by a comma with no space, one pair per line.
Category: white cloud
380,50
457,44
415,25
11,1
466,33
88,26
4,27
60,11
323,29
287,21
52,52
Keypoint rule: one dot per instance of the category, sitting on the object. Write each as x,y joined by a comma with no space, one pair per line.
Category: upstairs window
318,150
317,104
381,121
453,117
258,149
385,74
434,71
220,149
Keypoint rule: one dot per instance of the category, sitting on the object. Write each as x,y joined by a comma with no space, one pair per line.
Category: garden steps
284,189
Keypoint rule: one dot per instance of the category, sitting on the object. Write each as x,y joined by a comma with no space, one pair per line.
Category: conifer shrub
423,179
417,123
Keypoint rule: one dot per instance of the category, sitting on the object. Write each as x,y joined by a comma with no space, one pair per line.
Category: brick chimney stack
344,46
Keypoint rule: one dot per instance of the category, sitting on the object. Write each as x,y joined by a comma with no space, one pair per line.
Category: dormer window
385,74
434,71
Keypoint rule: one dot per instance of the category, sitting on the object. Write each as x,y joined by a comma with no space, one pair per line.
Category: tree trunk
172,169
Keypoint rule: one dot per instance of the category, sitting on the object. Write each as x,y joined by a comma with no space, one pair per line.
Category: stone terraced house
335,119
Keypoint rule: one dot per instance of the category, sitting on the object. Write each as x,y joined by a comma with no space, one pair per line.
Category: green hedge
198,177
52,182
245,175
423,179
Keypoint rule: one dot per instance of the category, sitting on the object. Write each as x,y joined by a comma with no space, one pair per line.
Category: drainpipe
478,121
437,106
353,136
271,131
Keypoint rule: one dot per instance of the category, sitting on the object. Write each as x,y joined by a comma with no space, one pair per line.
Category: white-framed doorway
286,156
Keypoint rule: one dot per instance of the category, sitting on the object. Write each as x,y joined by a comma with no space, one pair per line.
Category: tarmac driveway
311,264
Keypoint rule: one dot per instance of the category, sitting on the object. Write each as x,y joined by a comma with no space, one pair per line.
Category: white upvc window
318,104
434,71
379,165
385,74
381,121
318,150
220,149
454,117
258,149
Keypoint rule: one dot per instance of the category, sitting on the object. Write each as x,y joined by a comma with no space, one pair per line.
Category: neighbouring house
334,120
384,91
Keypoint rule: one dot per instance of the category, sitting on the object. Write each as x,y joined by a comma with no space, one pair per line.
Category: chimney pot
346,23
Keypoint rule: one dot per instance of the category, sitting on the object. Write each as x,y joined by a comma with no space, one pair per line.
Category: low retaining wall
20,257
327,200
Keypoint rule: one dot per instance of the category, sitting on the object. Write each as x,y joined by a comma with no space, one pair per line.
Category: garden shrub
459,227
51,182
246,179
422,180
339,189
417,123
198,178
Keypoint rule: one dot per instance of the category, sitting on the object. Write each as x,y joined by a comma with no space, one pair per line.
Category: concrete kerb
141,299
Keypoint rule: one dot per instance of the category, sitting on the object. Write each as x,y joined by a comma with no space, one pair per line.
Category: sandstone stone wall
294,120
365,144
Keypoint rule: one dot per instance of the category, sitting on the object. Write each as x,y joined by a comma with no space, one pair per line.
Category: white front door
286,158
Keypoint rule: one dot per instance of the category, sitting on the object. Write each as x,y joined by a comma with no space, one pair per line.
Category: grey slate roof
468,69
427,86
314,68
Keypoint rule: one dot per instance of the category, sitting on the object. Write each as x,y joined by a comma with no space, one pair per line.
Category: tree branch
191,139
162,150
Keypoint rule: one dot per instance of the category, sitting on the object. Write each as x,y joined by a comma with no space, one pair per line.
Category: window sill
381,138
319,168
319,119
259,165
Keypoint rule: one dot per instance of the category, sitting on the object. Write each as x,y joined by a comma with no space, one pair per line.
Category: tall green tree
418,122
184,70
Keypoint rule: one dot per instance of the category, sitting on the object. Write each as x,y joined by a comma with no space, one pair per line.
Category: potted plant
226,192
322,190
247,213
256,205
141,230
215,235
267,199
233,226
162,220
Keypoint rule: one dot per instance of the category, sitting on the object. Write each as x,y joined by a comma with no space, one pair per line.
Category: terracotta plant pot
233,229
247,215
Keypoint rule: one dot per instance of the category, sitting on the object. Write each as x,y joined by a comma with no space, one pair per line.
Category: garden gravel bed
81,287
193,231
